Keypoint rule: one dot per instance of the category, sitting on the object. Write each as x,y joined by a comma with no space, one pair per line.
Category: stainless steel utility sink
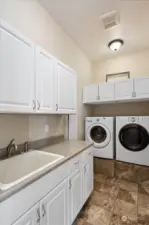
16,169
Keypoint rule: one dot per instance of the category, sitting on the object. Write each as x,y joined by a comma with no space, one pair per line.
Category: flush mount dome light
116,44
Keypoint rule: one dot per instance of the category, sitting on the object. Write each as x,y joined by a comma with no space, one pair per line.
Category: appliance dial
133,119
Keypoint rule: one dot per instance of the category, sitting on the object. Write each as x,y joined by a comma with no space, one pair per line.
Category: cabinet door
106,92
91,94
16,71
87,180
54,207
45,91
66,89
75,194
124,89
141,88
32,217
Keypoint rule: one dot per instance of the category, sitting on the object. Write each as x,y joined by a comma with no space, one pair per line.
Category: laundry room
74,112
118,124
136,110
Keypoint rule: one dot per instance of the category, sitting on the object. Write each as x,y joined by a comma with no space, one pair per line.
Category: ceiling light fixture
115,45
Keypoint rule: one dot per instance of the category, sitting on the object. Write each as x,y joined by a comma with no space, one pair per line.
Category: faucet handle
26,146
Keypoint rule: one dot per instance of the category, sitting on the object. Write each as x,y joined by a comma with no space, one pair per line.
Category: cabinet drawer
75,163
88,154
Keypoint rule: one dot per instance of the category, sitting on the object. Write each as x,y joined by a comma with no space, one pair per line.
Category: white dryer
99,130
132,139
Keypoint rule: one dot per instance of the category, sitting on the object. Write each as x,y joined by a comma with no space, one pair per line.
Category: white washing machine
99,130
132,139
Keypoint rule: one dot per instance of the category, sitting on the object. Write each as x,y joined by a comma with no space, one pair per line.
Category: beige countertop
68,149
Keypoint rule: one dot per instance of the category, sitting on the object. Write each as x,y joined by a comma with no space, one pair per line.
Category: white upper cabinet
45,82
66,89
31,80
91,93
98,93
124,89
106,92
16,71
141,88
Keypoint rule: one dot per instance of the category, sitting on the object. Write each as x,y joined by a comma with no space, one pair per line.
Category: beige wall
33,21
138,65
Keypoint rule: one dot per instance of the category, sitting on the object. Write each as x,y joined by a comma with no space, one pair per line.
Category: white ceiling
81,20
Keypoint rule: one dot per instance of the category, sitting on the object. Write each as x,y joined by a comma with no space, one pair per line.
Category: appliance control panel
144,118
133,119
95,119
89,121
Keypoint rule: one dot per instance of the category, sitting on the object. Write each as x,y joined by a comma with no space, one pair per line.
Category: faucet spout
11,148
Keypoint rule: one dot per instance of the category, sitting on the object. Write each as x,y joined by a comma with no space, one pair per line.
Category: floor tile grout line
116,184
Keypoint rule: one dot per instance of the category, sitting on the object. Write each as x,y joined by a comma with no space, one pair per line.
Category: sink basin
21,167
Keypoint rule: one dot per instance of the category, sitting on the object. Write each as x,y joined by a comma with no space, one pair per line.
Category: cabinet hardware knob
44,210
56,107
38,104
34,105
70,185
38,215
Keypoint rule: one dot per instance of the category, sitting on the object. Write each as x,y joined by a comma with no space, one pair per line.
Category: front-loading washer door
134,137
99,134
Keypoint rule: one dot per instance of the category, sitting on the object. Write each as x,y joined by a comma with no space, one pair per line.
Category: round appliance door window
134,137
100,135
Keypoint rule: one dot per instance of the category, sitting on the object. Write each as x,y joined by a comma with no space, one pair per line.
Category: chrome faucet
11,148
26,146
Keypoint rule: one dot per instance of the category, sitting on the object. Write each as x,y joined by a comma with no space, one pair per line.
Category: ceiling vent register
110,20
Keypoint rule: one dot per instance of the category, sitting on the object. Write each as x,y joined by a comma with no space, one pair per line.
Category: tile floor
116,202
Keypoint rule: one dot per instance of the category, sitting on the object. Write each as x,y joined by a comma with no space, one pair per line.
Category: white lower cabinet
75,194
54,207
32,217
87,179
63,202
